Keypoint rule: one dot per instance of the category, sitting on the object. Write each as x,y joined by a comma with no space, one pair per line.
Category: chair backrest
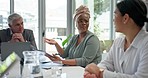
105,45
108,44
102,46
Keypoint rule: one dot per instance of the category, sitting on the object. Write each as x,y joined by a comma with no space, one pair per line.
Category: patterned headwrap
81,10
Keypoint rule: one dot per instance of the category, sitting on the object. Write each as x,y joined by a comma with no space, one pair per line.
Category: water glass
56,69
56,72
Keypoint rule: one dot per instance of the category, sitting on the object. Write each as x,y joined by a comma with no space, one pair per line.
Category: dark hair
136,9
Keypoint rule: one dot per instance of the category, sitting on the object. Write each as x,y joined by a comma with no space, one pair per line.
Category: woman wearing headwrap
128,56
83,48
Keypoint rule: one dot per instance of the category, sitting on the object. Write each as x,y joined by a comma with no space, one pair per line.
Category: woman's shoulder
119,40
5,31
73,37
89,33
91,37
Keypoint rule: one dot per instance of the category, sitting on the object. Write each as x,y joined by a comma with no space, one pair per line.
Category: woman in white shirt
128,56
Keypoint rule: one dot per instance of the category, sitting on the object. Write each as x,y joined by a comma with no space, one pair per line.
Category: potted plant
64,43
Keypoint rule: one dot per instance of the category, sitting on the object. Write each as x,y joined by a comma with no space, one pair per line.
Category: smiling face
82,23
17,26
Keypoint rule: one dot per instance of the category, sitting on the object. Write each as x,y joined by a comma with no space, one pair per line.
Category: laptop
18,47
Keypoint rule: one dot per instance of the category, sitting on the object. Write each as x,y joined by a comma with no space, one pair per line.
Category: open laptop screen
18,47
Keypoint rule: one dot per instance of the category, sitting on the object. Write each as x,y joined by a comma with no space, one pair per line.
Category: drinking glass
56,68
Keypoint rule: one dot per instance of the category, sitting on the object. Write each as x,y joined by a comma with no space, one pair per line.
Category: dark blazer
5,36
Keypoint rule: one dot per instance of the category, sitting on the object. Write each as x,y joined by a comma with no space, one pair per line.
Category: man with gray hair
16,31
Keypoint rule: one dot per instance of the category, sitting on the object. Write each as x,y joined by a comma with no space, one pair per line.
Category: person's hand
17,37
53,57
50,41
89,75
92,69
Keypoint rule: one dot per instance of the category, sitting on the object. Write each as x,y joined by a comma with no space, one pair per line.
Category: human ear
125,18
9,25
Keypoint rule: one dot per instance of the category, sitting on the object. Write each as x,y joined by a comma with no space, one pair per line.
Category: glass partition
56,22
4,12
28,9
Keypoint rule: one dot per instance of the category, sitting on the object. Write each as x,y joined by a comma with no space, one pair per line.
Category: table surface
67,72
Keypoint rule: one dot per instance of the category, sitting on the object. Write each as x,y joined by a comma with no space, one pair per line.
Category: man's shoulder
4,30
27,30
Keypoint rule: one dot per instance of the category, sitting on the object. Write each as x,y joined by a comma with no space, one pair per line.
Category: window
100,17
90,5
28,9
4,12
56,17
56,22
61,31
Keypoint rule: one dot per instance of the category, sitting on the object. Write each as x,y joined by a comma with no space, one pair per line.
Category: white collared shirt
132,63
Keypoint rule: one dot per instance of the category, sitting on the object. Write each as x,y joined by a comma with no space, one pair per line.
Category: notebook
18,47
